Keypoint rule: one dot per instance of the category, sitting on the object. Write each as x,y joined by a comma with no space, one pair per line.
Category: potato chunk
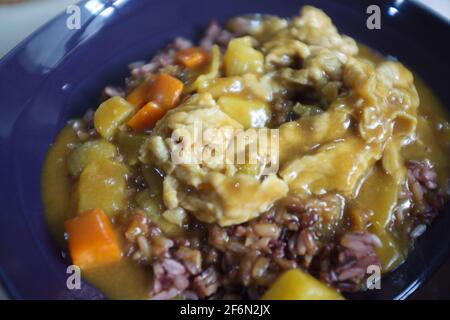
102,185
110,115
89,152
241,58
298,285
248,112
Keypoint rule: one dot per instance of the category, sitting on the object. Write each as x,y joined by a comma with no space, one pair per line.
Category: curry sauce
362,164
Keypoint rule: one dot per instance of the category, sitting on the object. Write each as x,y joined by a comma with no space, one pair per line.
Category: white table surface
21,19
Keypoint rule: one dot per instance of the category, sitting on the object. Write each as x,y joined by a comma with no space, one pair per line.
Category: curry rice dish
357,172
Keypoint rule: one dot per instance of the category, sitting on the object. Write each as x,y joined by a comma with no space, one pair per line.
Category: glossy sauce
127,280
123,280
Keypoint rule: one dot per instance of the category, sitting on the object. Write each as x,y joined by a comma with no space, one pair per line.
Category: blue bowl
57,73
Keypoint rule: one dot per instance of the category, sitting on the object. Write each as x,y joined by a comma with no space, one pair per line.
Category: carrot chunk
146,117
138,96
165,91
92,241
191,57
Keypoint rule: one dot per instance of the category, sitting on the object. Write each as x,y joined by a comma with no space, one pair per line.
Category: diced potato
241,58
102,184
130,144
88,152
298,285
250,113
110,115
153,207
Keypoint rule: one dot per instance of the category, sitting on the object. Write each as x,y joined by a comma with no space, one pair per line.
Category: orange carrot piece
138,96
92,241
146,117
165,91
191,57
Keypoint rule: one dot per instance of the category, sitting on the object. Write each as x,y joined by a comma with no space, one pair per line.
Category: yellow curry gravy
128,280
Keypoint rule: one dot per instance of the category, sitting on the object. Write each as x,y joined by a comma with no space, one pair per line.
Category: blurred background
19,18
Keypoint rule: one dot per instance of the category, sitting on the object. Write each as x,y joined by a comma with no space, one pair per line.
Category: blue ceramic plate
57,73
